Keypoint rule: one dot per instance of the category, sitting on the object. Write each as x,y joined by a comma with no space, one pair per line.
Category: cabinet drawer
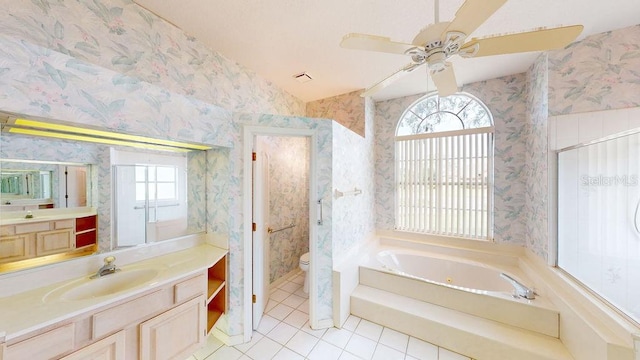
85,223
85,239
63,224
49,345
7,230
189,288
32,227
134,311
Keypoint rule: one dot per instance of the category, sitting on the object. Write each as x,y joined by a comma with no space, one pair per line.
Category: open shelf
216,292
213,287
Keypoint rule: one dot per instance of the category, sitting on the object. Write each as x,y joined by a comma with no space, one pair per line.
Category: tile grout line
352,324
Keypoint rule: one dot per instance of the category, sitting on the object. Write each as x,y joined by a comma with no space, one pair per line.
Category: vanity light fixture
70,132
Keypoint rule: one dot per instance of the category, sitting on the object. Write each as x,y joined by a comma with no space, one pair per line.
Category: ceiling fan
436,43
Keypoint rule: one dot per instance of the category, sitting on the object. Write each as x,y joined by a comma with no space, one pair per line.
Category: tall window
444,167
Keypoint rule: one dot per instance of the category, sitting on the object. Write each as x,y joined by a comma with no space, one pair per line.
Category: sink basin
107,285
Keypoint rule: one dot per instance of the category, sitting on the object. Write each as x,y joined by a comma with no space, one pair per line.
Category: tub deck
479,323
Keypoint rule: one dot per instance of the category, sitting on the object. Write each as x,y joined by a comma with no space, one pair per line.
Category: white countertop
28,311
18,217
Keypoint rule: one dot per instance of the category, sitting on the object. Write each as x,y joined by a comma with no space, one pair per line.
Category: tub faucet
108,268
521,290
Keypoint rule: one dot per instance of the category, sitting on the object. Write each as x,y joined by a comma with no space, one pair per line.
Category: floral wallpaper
288,169
347,109
600,72
196,191
505,98
40,82
121,36
387,115
537,193
353,167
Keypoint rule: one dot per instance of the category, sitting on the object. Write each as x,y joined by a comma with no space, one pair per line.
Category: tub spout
521,290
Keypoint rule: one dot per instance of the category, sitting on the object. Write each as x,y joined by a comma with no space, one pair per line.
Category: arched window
444,167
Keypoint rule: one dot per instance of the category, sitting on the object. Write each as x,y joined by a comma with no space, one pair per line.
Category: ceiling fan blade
373,43
472,14
537,40
391,78
445,80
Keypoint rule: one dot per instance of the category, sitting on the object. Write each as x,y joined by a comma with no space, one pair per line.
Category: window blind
444,183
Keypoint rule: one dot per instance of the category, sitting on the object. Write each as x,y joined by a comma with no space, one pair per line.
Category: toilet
304,266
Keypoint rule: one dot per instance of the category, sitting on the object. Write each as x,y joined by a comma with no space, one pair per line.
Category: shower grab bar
271,231
520,289
338,194
321,219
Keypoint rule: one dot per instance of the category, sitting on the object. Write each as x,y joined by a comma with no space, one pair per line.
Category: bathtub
446,271
457,279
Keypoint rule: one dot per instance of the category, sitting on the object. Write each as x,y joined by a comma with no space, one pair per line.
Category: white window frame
153,198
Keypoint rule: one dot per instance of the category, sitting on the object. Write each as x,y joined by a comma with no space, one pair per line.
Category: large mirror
50,186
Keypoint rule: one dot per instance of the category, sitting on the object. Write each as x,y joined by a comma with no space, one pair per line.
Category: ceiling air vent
303,77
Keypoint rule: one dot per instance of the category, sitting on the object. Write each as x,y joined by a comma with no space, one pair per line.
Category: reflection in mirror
24,184
33,185
153,196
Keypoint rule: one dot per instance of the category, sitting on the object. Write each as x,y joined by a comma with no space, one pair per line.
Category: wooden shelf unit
86,231
216,292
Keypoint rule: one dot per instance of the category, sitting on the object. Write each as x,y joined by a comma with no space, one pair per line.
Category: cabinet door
53,242
174,334
15,247
109,348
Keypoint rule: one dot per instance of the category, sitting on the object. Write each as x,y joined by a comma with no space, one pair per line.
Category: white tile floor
284,334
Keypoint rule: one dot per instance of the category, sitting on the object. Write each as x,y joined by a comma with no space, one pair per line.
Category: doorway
281,215
258,279
74,190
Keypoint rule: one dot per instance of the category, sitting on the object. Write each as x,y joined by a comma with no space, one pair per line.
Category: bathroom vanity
27,238
159,308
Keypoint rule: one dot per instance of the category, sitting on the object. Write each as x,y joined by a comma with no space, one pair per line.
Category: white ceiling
280,38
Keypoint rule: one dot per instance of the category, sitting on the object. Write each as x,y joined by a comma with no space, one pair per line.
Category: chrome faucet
520,289
108,268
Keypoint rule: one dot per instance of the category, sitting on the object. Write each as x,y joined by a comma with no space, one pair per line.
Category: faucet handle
109,260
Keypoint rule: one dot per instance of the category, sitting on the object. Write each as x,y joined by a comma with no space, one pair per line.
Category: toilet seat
304,259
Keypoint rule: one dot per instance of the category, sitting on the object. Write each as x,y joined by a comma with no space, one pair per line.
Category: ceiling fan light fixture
436,61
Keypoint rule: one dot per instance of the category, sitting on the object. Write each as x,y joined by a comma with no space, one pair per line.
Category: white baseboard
325,324
284,278
226,339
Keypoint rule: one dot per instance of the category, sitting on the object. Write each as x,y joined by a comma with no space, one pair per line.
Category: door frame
249,133
260,215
